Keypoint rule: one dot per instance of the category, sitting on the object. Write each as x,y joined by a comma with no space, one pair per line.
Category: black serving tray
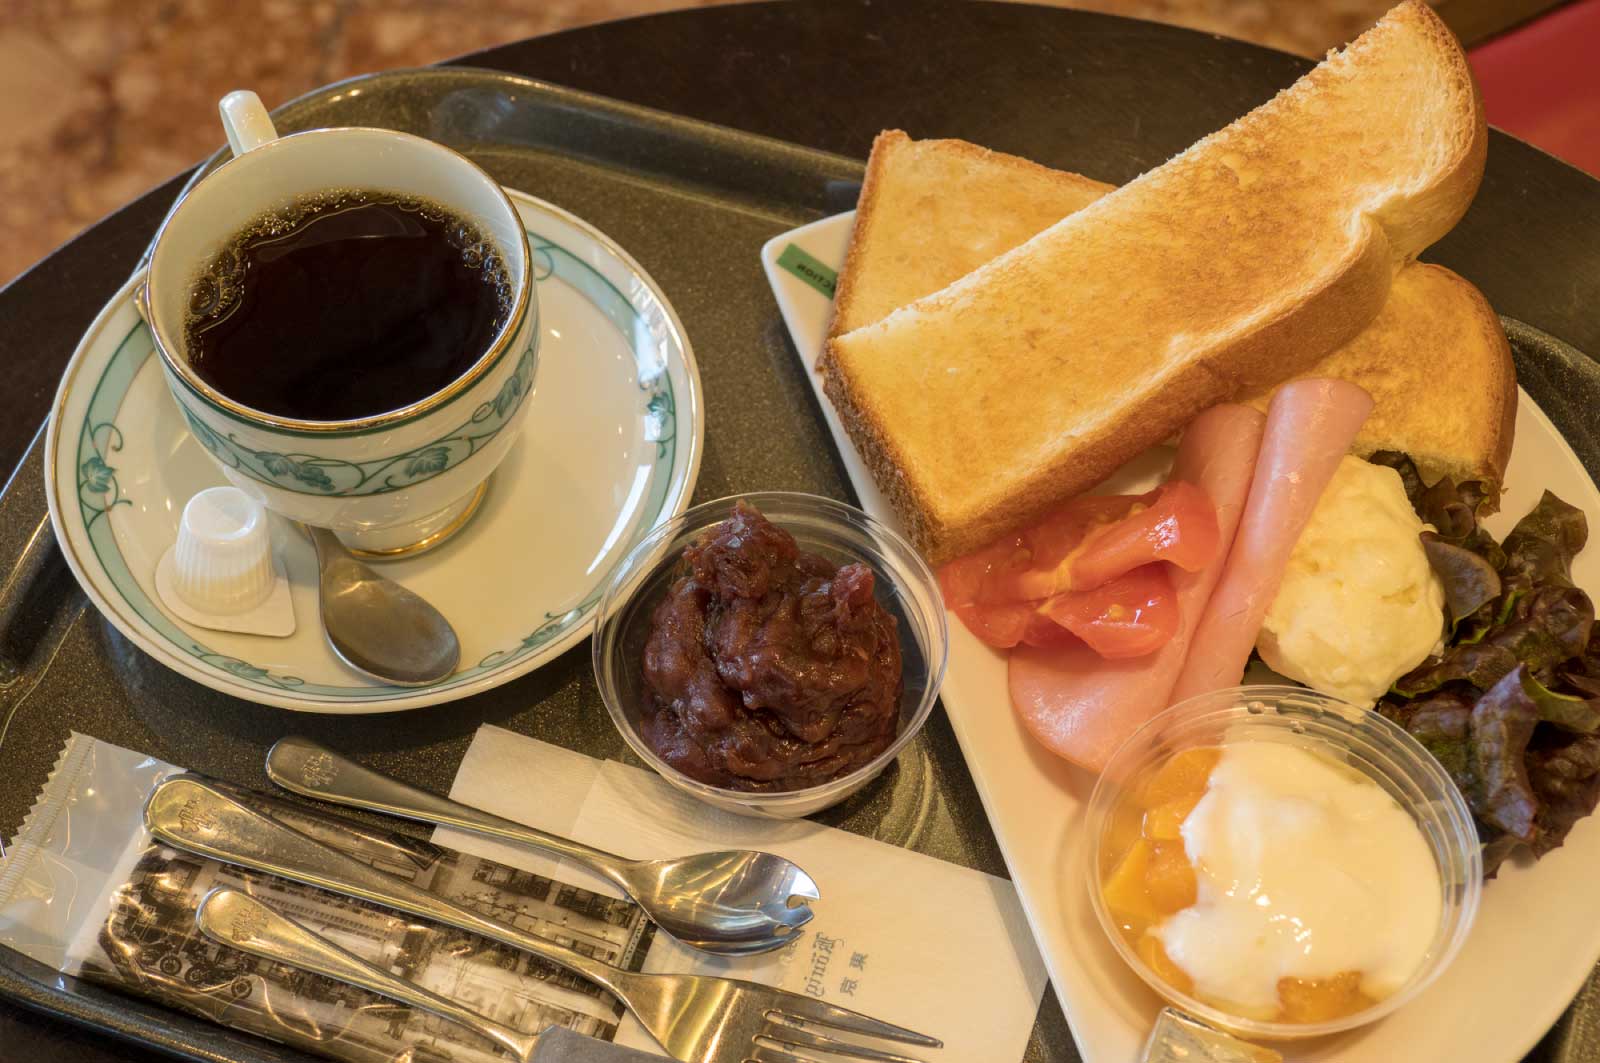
693,203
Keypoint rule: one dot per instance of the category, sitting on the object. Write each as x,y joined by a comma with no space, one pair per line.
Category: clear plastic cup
1350,735
842,534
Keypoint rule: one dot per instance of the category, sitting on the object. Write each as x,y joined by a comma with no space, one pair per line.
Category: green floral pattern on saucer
246,670
98,490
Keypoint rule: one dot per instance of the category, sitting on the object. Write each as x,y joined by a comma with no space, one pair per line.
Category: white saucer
612,448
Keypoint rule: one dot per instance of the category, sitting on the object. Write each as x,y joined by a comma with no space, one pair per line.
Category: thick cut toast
1232,267
1435,359
932,211
1438,366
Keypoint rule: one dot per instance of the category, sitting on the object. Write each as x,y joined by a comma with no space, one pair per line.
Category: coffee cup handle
245,120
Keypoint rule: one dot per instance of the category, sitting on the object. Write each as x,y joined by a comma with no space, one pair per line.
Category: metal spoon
732,903
377,626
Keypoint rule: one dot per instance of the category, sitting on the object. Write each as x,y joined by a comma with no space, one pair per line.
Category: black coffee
346,305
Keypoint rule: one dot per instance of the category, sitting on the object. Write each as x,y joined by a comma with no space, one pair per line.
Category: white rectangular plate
1538,932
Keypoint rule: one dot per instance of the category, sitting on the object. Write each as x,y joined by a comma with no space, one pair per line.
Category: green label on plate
809,269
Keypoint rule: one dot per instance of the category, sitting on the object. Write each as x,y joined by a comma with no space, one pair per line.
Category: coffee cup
390,483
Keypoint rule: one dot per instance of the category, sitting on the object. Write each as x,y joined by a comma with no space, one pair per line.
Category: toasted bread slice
1435,358
932,211
1439,369
1232,267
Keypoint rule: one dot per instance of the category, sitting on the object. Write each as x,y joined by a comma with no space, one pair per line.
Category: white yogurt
1305,869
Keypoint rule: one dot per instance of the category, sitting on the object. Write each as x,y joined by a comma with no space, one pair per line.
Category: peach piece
1126,892
1169,880
1164,822
1182,774
1123,828
1322,999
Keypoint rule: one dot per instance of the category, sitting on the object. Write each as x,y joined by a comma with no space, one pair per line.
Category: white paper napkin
899,935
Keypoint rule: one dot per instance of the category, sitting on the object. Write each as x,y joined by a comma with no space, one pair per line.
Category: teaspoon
732,903
376,626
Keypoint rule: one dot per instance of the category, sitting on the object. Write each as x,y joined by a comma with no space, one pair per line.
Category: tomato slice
1029,565
1045,633
1001,625
960,579
1087,571
1009,624
1179,526
963,580
1037,566
1129,616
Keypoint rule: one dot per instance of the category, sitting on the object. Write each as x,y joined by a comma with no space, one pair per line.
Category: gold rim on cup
185,373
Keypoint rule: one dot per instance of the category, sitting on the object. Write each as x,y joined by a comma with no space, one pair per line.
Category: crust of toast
1454,415
982,405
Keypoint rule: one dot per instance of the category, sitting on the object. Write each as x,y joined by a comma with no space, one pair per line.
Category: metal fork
242,922
696,1018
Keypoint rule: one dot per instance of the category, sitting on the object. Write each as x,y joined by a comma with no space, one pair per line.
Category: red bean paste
769,669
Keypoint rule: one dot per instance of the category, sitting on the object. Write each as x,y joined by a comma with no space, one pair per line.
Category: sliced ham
1082,706
1310,427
